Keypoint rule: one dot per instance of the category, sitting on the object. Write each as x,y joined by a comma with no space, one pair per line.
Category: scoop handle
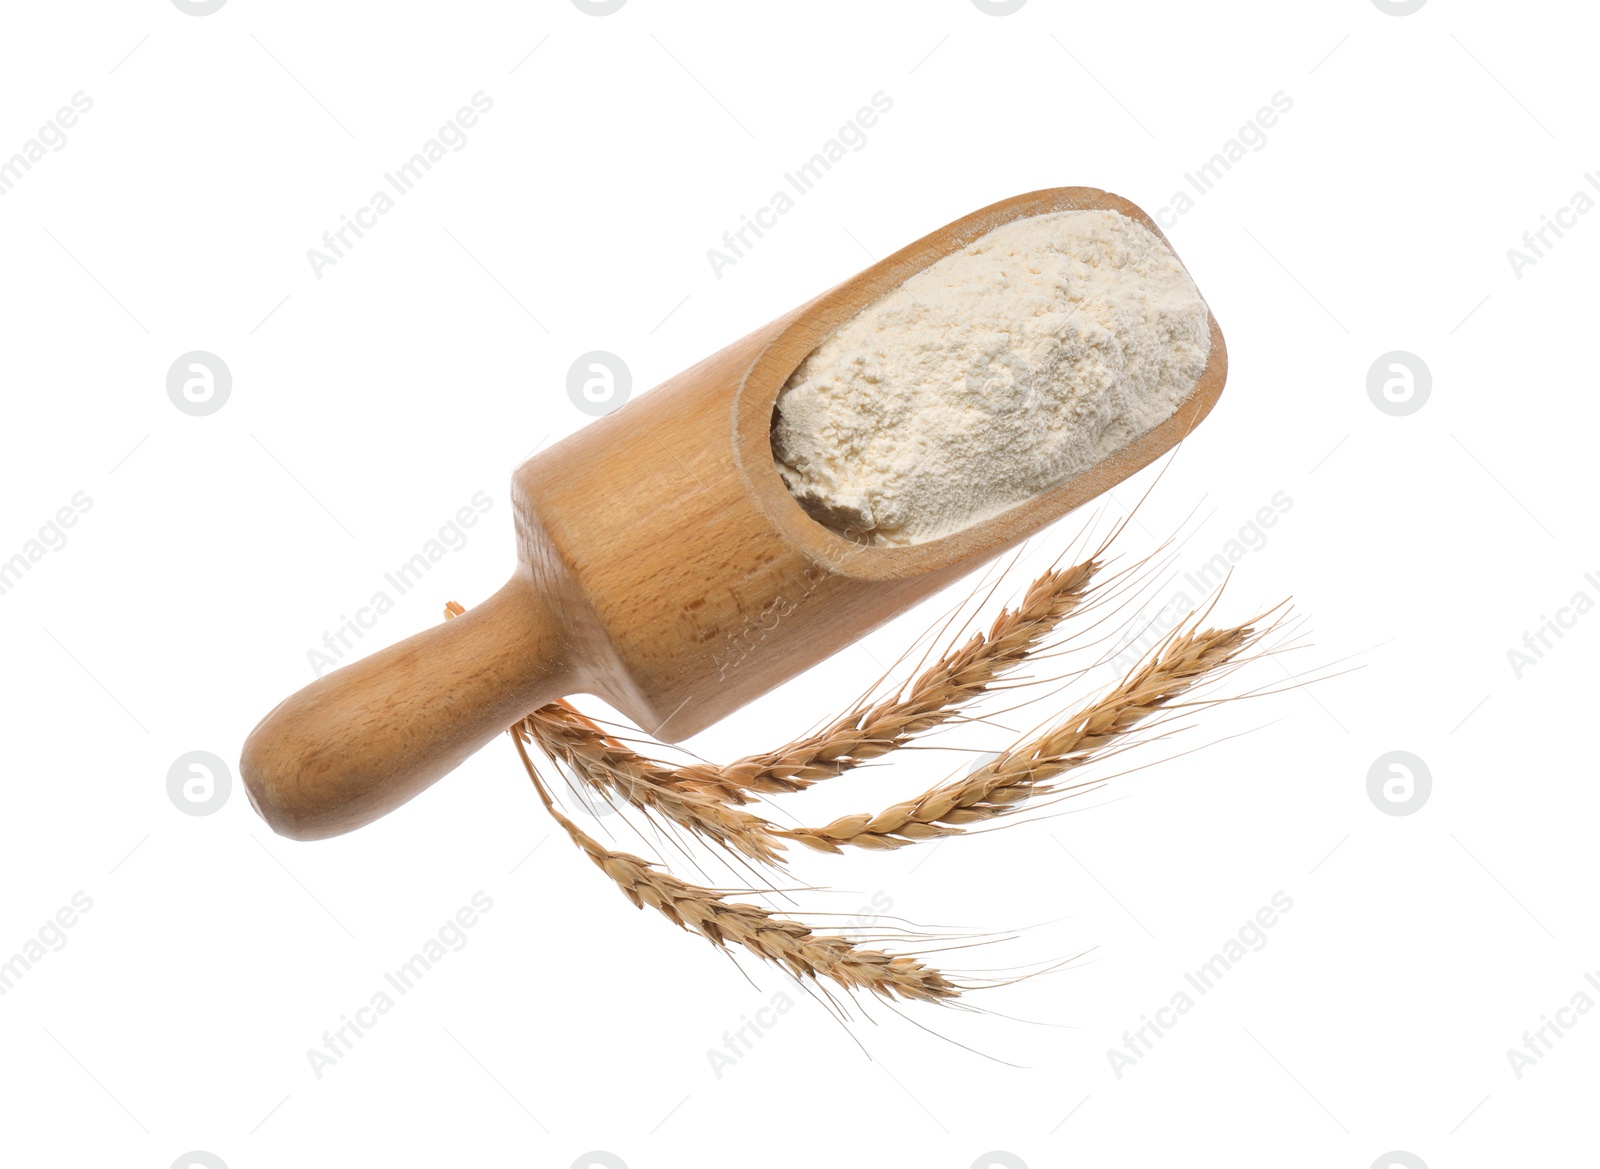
362,740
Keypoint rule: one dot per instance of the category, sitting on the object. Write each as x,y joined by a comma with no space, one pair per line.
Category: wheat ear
1183,660
788,944
869,730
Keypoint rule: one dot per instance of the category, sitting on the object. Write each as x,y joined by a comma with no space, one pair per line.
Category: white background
372,402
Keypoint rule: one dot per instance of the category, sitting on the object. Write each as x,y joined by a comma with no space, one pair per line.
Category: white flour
999,371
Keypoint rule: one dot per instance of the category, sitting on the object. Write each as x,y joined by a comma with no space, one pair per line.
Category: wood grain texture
664,566
362,740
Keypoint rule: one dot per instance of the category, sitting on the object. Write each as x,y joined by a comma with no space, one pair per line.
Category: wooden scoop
662,565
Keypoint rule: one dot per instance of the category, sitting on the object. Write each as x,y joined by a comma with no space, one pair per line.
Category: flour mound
994,374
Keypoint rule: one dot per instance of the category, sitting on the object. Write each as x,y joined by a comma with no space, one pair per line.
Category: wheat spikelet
788,944
1184,659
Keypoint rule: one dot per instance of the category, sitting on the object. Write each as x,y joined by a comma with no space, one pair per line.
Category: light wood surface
663,566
